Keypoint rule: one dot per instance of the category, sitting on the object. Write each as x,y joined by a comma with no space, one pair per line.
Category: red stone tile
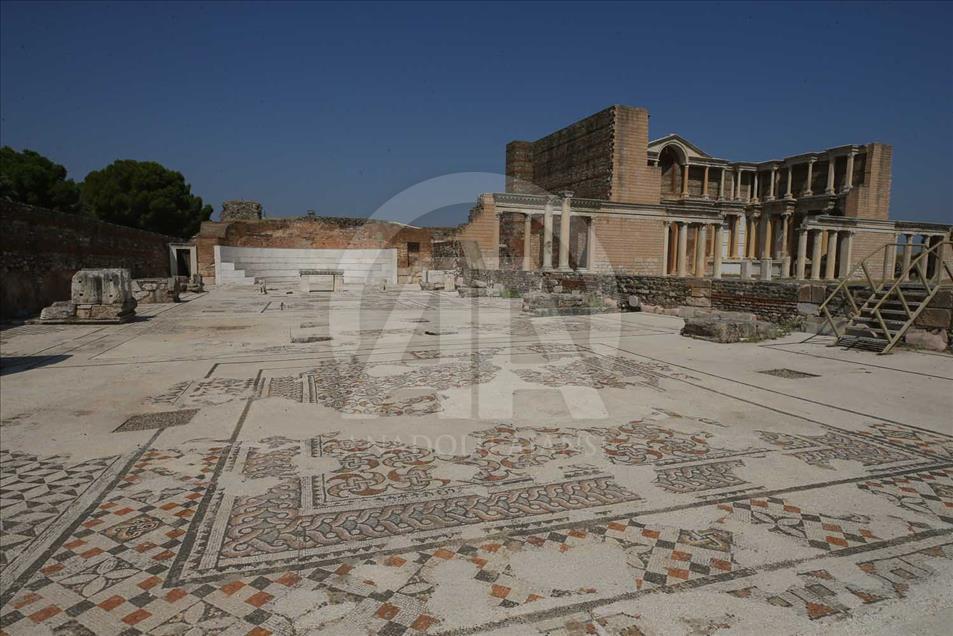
47,612
175,594
423,622
136,617
72,545
231,588
288,579
26,599
91,553
681,556
259,599
499,591
112,603
387,611
678,573
150,582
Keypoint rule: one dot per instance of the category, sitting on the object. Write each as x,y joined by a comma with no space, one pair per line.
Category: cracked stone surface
194,472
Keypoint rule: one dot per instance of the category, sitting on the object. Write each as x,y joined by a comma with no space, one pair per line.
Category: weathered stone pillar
772,192
846,253
787,193
700,241
907,254
767,245
527,242
849,176
754,188
816,255
685,180
737,184
716,257
938,267
801,254
830,175
785,256
564,220
548,234
890,259
665,239
682,249
810,177
829,271
721,185
705,184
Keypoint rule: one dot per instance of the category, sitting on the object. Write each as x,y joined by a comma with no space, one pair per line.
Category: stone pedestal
97,296
321,280
155,290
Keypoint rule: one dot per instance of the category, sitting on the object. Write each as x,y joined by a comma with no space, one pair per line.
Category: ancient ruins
638,392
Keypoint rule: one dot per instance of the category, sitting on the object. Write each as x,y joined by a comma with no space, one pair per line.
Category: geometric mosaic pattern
824,532
34,491
929,493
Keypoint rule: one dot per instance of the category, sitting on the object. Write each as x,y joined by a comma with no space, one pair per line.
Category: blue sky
340,107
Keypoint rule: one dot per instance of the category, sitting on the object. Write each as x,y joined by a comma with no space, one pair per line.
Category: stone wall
241,211
776,301
40,250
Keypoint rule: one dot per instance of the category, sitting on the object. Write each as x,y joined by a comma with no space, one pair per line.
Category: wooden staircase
881,312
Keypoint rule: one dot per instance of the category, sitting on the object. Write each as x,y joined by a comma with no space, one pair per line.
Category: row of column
564,228
774,181
677,232
839,253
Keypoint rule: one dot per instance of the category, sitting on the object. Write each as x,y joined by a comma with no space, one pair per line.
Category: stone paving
194,472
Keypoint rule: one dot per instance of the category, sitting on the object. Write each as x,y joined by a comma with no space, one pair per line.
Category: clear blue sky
338,108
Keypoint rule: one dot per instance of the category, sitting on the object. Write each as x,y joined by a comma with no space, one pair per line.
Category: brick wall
633,180
871,199
317,233
631,244
578,157
483,228
40,250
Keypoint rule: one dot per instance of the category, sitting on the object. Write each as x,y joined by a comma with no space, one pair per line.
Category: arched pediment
682,146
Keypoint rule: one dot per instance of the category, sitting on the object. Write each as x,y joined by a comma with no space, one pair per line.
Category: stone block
929,339
815,294
321,280
931,318
942,300
807,309
155,290
718,329
101,286
62,310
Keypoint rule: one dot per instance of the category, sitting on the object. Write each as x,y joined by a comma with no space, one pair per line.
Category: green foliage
29,177
146,195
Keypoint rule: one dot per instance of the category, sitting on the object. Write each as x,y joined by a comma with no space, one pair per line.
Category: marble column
527,242
785,257
564,220
754,189
829,271
665,239
938,270
767,244
830,175
907,254
890,259
845,255
705,184
682,249
548,234
849,176
685,180
816,255
737,184
772,192
721,186
700,241
716,256
801,254
787,192
810,177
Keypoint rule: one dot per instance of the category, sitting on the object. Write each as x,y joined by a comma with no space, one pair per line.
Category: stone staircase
280,267
881,313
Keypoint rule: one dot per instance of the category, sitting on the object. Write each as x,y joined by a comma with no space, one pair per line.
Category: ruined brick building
666,207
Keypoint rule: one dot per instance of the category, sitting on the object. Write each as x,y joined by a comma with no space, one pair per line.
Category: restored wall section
871,199
318,232
629,244
40,250
633,180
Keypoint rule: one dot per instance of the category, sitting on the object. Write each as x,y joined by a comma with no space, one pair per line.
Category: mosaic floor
194,472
